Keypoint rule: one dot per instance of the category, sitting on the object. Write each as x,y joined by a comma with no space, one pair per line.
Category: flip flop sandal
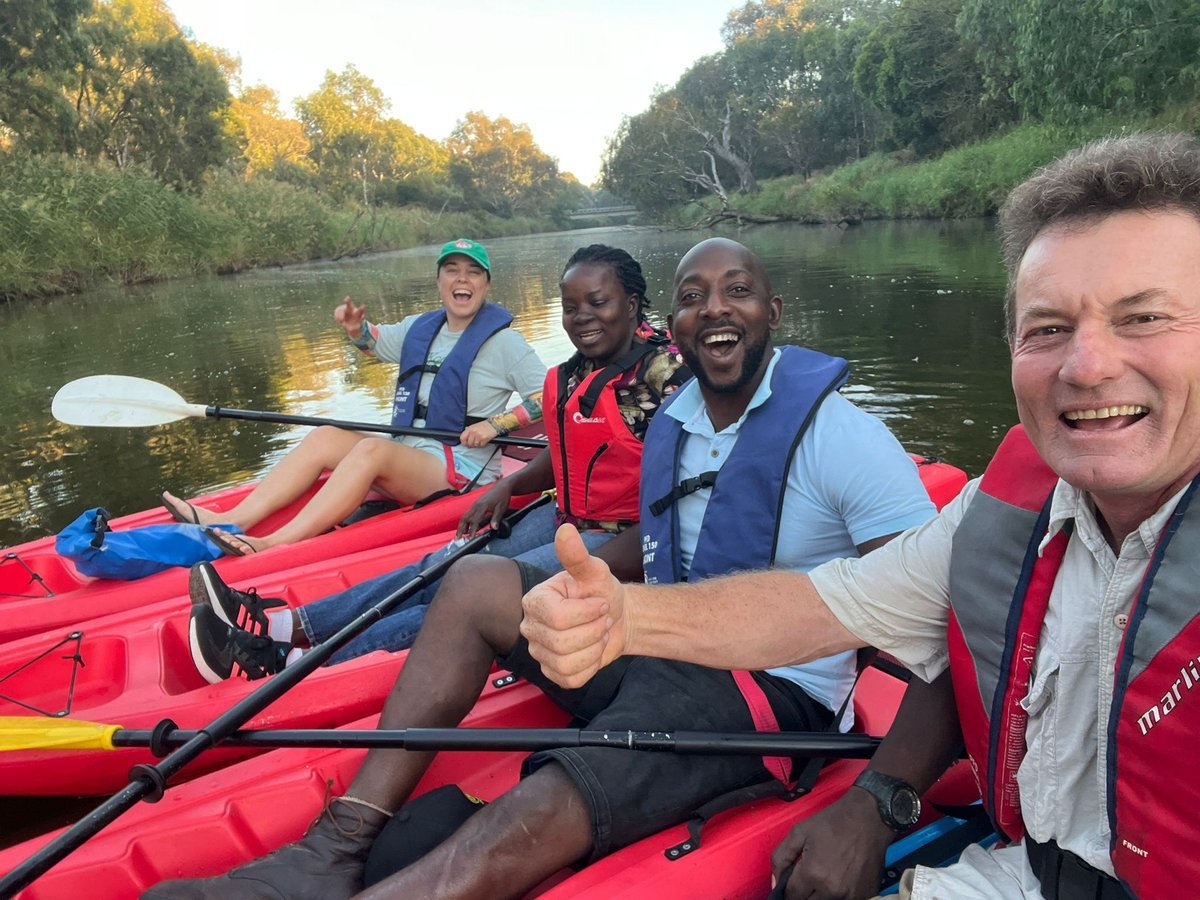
177,514
225,541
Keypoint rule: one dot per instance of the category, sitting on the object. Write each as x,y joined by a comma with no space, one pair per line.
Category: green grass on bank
965,182
66,225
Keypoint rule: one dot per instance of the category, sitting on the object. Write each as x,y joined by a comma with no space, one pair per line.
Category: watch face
906,806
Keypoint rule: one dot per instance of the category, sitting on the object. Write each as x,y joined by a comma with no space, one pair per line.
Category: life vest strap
685,487
1064,876
424,368
422,412
628,360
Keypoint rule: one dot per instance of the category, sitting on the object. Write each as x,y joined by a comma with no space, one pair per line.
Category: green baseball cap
473,249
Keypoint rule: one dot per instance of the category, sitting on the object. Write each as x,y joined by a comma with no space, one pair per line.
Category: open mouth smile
1105,418
720,343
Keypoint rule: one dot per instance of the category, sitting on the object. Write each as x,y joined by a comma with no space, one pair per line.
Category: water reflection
915,307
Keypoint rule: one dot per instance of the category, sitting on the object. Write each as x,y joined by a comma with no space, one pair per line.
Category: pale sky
568,70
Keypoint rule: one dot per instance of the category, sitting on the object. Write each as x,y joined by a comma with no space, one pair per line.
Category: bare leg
505,849
322,448
474,617
401,472
469,624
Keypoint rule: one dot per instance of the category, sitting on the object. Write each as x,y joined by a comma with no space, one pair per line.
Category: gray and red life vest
999,593
596,458
447,409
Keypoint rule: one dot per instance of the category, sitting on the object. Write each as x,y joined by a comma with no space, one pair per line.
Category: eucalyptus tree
916,66
41,45
498,166
359,152
1072,61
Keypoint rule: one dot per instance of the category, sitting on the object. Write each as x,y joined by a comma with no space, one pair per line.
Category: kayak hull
136,668
246,810
43,591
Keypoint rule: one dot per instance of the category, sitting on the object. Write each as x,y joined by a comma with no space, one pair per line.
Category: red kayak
222,819
134,668
42,591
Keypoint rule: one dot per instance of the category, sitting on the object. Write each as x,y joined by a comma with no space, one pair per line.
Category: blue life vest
740,530
447,410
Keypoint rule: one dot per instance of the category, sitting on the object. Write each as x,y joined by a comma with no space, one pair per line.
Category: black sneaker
219,648
241,609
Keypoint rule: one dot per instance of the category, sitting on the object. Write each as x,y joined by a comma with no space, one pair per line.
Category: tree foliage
652,161
357,149
805,85
275,145
119,81
115,81
498,167
41,43
917,67
1070,61
144,97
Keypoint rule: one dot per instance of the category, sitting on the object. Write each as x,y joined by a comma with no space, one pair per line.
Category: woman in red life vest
597,407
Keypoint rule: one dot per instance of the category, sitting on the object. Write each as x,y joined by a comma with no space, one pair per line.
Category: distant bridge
602,212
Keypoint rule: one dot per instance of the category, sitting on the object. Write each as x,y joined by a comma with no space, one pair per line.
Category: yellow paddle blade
27,733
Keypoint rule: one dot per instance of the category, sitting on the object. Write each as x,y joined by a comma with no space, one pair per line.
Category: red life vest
596,458
999,592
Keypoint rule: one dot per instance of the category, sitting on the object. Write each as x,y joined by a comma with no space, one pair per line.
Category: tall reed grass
68,224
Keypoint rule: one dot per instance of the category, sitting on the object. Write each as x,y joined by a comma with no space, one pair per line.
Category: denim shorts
631,794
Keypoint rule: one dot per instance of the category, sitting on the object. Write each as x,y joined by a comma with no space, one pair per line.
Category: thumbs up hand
575,621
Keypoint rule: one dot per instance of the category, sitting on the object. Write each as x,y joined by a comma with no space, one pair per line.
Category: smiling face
462,285
722,316
1106,356
597,314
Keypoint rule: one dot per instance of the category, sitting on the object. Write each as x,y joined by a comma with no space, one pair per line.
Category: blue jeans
531,541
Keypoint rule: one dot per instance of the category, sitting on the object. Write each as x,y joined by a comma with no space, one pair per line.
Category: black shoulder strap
635,354
685,487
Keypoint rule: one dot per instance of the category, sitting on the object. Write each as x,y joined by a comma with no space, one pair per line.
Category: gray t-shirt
505,363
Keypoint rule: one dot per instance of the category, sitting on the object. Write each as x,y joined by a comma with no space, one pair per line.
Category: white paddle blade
120,401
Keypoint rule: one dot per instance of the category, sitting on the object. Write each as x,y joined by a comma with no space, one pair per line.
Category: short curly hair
1147,172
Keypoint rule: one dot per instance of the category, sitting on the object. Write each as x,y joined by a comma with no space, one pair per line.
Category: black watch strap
898,802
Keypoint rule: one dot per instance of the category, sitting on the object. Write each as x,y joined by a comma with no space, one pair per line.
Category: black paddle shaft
147,782
752,743
253,415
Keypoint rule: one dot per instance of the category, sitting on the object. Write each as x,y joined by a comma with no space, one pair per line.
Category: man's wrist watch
899,805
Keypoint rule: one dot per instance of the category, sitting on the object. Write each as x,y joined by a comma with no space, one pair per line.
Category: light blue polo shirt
850,482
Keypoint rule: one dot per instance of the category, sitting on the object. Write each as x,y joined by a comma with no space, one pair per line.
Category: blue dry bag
100,552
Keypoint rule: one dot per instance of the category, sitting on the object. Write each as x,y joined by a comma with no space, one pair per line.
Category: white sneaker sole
209,593
202,666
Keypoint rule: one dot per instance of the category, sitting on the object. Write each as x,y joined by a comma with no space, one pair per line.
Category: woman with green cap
458,367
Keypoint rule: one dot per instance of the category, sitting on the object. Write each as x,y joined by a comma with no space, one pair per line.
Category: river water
915,307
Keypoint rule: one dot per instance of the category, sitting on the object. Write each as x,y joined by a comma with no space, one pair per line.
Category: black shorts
632,794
